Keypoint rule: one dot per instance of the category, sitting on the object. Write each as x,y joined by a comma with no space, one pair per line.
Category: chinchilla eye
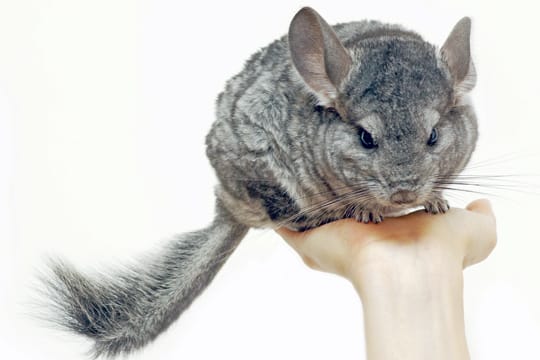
367,140
333,111
433,137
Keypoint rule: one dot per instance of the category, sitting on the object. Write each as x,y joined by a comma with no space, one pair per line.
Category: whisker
308,196
496,185
327,207
502,159
447,188
454,196
333,191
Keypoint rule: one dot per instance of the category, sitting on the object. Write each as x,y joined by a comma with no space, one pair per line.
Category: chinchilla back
124,311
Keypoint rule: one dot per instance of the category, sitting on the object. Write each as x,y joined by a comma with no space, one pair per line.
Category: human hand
408,273
461,237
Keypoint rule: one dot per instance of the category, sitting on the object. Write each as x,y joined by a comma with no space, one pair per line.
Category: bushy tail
124,311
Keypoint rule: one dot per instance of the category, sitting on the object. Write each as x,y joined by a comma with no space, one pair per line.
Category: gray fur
124,312
286,149
271,130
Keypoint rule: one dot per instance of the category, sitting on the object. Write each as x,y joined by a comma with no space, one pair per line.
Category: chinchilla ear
456,53
317,54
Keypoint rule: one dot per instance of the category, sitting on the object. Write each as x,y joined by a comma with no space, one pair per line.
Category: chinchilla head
398,121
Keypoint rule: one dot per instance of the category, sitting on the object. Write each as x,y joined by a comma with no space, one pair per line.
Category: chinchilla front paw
437,206
369,216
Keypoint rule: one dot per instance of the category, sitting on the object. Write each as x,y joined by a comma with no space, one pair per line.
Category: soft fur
286,149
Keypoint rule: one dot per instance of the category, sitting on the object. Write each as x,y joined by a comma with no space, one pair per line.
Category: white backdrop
104,106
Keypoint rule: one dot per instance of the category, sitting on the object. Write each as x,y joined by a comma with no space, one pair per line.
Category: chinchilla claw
367,217
437,206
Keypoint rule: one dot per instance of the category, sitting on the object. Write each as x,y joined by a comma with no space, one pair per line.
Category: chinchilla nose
403,197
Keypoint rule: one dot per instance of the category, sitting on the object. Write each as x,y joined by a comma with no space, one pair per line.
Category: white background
104,106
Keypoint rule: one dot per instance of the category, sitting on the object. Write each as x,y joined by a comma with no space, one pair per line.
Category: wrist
413,308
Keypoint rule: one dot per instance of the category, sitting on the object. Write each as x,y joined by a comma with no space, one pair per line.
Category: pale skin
408,272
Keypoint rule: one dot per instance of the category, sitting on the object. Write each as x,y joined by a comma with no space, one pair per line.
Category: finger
286,233
482,206
483,236
324,248
296,240
293,238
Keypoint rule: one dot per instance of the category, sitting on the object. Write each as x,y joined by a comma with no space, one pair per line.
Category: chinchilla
359,120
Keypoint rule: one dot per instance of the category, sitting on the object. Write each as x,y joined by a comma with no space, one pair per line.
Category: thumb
483,237
481,206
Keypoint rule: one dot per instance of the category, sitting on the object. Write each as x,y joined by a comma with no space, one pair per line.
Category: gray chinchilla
359,120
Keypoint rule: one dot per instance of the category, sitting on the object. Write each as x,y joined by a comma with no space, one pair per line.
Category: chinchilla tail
124,311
